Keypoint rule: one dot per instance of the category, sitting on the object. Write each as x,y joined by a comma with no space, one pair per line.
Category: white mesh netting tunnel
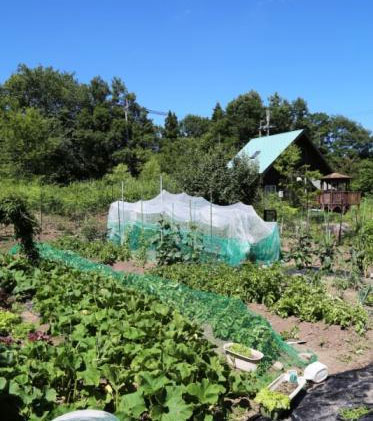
231,233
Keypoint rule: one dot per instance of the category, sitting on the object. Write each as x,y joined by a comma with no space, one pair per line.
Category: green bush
80,198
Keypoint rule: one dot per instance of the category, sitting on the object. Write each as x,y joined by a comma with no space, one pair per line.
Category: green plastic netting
229,318
231,234
228,250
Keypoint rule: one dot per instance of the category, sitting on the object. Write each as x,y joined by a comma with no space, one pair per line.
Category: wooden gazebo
335,193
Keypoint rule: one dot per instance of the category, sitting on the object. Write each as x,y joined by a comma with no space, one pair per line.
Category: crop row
109,347
286,295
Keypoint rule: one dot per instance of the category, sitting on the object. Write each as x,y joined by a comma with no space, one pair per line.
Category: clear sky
185,55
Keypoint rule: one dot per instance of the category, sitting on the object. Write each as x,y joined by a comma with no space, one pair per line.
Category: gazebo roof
336,176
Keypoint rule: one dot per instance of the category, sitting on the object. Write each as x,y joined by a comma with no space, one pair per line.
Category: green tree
171,126
300,113
363,180
52,92
208,175
281,114
295,178
86,130
194,125
217,113
347,138
244,114
27,143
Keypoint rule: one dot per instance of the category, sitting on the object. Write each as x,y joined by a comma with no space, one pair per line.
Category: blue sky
185,55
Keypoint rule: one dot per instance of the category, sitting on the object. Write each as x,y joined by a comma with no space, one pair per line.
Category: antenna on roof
267,124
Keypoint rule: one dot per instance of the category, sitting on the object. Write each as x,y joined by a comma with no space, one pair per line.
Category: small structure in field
335,193
266,150
231,233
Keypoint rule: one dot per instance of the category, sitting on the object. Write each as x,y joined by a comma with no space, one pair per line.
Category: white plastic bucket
87,415
316,372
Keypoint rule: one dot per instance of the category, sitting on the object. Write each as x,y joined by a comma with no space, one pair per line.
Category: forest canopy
57,129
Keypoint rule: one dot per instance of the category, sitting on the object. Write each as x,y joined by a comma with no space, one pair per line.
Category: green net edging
229,250
229,318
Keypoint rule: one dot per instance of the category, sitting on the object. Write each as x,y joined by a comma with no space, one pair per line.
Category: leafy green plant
284,294
7,321
301,251
248,282
272,401
142,250
103,251
14,210
173,246
312,303
293,333
241,350
126,244
326,251
353,414
91,232
120,351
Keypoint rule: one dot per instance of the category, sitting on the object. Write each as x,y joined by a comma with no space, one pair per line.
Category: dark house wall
309,156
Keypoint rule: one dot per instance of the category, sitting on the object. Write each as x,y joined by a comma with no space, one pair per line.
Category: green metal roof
266,149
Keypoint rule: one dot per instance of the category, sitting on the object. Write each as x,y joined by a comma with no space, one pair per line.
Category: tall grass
81,198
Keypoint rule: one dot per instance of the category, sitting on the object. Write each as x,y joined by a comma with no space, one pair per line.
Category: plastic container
285,377
316,372
242,362
87,415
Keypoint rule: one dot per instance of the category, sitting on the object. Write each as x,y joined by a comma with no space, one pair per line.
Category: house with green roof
265,150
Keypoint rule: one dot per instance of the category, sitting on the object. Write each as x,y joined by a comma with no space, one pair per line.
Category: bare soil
286,388
131,266
340,349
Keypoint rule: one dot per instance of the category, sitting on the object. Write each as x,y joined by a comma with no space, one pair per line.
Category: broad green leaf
178,409
14,388
51,395
2,383
90,376
132,404
206,392
151,384
133,333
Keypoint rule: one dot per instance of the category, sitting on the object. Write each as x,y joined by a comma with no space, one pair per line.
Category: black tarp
348,389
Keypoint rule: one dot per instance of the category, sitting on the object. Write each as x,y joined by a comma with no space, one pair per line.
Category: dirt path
340,349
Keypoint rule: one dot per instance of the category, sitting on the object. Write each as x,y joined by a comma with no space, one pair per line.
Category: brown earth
340,349
132,267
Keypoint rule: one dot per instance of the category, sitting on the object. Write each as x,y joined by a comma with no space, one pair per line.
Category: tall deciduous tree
194,125
244,114
208,175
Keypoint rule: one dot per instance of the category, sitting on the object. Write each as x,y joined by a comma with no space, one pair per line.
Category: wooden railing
341,199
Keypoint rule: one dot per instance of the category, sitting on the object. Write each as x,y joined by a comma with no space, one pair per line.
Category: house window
271,188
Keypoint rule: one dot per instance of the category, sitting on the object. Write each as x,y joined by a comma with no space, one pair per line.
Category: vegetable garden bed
121,351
